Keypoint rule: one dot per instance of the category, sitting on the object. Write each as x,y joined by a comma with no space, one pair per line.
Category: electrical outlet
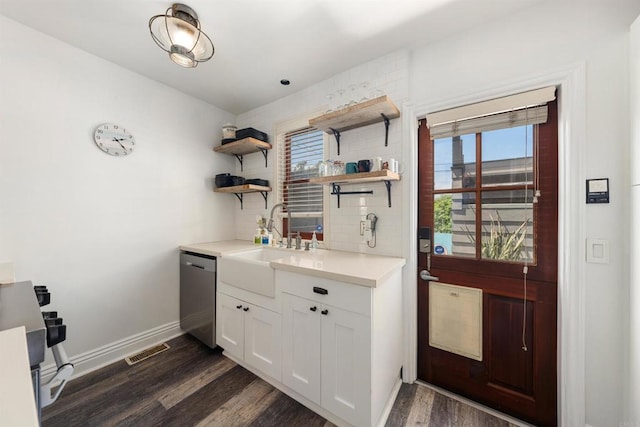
362,228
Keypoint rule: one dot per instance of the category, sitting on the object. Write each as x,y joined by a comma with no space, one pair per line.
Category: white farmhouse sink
251,271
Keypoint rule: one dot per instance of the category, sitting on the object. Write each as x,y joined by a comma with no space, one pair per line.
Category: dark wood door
517,371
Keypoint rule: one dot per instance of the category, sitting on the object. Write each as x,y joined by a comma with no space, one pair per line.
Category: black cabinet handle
238,307
319,290
246,309
325,312
314,308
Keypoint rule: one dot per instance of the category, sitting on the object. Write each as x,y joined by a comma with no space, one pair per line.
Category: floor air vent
145,354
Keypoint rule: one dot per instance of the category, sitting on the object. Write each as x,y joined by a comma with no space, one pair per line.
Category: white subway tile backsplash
342,226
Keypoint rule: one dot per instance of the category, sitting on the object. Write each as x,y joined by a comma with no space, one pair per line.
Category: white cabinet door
346,365
263,340
301,346
230,325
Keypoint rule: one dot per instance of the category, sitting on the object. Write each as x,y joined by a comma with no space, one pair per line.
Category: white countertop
17,403
222,248
350,267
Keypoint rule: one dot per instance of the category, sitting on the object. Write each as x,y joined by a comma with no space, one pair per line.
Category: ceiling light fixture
178,33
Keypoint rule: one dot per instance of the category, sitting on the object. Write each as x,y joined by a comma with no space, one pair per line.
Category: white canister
376,164
229,131
395,166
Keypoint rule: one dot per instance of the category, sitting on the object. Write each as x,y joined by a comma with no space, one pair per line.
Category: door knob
425,275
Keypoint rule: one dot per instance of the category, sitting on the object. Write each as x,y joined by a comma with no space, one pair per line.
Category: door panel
230,325
301,346
346,364
263,344
517,373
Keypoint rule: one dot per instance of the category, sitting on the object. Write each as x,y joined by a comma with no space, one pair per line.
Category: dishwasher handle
203,262
190,264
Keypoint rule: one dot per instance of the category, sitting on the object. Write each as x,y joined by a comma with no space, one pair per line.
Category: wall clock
114,139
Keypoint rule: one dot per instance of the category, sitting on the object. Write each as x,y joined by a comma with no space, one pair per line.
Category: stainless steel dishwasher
198,296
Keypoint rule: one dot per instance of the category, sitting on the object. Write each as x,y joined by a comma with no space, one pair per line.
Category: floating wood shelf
366,113
240,190
245,188
354,178
244,146
358,115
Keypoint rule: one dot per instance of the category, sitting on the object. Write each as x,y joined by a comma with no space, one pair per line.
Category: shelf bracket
386,129
264,196
337,192
388,185
264,153
240,197
240,159
336,134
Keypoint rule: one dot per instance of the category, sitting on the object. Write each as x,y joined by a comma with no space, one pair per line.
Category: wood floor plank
243,408
200,404
191,384
287,412
402,406
420,412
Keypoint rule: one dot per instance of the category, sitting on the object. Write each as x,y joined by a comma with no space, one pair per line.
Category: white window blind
525,108
299,153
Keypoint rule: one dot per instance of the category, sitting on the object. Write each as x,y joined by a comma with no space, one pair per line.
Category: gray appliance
198,296
20,304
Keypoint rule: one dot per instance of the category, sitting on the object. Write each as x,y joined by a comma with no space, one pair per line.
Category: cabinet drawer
347,296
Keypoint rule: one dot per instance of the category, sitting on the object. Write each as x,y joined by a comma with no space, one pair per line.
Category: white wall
634,299
536,42
342,226
101,232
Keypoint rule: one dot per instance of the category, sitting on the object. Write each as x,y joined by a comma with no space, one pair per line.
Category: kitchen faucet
270,223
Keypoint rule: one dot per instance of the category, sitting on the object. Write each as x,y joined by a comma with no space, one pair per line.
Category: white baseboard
118,350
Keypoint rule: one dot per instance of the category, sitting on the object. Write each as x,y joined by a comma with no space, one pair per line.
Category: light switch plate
598,251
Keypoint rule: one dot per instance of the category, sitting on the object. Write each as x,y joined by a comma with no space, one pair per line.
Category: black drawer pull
246,309
325,312
238,307
321,291
314,308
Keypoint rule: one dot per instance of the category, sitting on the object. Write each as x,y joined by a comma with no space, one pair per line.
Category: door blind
527,108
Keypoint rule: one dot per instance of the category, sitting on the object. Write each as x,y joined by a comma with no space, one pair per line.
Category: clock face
114,139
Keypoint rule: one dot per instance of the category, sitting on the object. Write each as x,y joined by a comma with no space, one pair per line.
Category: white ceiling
257,42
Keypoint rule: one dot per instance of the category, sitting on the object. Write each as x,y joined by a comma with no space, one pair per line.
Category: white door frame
571,94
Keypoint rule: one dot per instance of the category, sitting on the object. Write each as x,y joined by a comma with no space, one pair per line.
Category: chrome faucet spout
270,223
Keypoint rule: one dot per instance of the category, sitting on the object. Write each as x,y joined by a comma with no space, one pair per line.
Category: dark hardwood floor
192,385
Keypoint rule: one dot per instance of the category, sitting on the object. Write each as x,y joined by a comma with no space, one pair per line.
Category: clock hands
118,141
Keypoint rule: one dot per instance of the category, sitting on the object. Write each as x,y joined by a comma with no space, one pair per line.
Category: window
300,151
492,199
485,177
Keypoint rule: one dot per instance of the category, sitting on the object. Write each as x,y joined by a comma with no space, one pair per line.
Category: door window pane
507,225
454,225
507,156
454,162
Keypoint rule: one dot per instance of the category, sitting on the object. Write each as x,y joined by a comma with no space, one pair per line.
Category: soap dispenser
314,241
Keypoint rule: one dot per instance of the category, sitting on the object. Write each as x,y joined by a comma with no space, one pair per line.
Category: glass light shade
185,43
